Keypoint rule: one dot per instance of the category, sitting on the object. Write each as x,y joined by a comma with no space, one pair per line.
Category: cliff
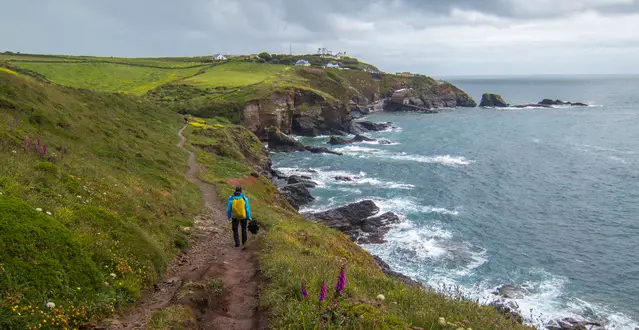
310,101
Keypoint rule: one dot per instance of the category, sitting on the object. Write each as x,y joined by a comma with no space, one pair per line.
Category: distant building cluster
218,57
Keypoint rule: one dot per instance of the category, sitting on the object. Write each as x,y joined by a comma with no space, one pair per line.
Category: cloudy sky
437,37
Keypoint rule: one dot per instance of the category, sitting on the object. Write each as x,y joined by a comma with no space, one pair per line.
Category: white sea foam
405,205
324,178
365,152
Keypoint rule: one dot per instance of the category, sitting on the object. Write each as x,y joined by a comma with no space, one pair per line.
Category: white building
219,57
332,66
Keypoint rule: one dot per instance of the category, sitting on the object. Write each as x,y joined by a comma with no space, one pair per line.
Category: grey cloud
424,36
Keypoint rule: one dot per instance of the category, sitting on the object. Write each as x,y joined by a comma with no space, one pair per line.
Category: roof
302,62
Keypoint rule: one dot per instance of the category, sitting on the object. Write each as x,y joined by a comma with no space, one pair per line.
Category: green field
107,77
235,74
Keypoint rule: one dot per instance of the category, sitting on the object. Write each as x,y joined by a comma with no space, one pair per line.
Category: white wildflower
1,193
381,297
442,321
98,233
112,275
48,213
39,209
50,304
104,194
78,196
15,152
106,283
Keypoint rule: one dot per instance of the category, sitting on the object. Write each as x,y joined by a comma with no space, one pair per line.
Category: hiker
186,119
238,211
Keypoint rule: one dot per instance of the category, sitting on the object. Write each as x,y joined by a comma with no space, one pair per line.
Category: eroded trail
194,278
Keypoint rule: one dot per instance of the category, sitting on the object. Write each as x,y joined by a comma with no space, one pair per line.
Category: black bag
253,227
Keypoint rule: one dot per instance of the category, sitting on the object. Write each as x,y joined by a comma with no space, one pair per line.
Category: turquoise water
544,198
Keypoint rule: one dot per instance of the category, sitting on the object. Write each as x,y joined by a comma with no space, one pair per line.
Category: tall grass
88,230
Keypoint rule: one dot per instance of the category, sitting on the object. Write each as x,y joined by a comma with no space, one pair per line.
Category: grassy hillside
296,251
94,218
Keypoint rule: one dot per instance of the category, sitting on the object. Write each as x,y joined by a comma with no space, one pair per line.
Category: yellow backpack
238,209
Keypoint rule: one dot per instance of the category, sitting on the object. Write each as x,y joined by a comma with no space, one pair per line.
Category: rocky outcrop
297,194
336,141
508,308
573,324
375,127
340,141
496,101
321,150
360,221
429,94
280,142
560,102
293,179
492,100
510,291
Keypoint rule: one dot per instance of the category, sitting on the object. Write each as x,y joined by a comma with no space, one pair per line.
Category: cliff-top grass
235,74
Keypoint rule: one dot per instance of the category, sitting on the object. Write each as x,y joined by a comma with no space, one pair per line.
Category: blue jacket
246,205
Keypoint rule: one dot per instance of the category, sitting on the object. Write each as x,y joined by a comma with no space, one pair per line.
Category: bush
265,56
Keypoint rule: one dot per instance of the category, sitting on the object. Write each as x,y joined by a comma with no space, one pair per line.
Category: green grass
234,74
107,77
117,201
294,250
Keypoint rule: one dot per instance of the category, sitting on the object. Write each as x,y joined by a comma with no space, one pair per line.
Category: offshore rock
492,100
297,195
359,221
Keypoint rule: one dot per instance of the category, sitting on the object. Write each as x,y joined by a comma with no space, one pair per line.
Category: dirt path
193,279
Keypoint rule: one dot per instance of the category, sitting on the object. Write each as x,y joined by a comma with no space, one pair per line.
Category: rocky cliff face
327,107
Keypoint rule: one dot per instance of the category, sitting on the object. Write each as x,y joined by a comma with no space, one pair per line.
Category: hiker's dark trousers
236,235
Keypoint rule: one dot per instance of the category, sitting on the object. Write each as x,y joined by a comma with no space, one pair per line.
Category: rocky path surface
193,279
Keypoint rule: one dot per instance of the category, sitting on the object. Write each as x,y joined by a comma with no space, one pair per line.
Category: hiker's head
238,190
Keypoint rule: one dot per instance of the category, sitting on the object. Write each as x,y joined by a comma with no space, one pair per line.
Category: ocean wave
404,206
366,152
377,142
325,178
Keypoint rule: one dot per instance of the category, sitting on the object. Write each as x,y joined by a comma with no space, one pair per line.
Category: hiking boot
237,245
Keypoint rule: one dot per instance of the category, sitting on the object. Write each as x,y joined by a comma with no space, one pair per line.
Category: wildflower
323,291
44,150
1,193
39,209
442,321
303,290
27,143
381,297
50,304
78,196
112,275
15,152
341,282
48,213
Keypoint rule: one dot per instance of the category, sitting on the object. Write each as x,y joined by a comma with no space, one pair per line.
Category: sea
545,199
